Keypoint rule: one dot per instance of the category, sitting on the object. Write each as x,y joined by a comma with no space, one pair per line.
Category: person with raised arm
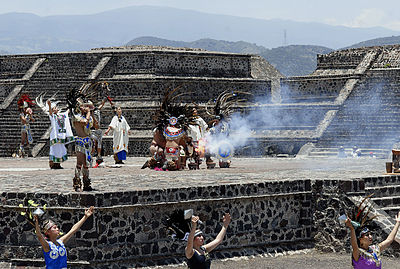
54,251
196,252
365,254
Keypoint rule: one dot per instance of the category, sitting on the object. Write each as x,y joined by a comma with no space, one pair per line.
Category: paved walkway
33,174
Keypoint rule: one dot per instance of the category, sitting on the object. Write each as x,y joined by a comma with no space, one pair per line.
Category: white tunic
60,134
196,132
120,129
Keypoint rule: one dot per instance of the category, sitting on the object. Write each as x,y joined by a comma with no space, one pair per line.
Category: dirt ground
308,260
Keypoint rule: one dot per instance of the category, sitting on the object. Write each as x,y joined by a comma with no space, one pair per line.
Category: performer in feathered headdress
365,254
80,102
221,109
25,105
97,133
172,121
61,132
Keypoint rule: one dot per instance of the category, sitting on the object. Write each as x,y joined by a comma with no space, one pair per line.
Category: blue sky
353,13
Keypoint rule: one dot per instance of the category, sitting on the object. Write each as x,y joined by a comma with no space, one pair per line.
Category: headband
363,231
48,226
198,233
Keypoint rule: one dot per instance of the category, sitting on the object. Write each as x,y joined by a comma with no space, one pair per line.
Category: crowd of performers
81,114
181,135
181,139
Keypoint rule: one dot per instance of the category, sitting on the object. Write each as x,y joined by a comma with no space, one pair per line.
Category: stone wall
344,59
200,90
294,90
388,58
15,67
5,89
128,226
330,200
178,63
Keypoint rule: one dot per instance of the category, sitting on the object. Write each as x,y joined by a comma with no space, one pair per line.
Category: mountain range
391,40
29,33
290,46
293,60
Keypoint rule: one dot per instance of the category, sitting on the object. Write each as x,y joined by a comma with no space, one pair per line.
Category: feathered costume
86,96
360,220
178,227
25,105
172,121
172,114
221,110
61,132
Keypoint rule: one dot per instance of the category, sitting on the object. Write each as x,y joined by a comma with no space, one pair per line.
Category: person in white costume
196,132
121,130
60,135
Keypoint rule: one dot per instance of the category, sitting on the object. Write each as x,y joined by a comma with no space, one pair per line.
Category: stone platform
33,175
274,204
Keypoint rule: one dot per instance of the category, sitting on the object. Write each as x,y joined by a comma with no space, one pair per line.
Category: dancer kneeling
196,252
55,254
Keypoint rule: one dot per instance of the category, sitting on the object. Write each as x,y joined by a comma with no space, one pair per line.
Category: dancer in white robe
60,135
121,130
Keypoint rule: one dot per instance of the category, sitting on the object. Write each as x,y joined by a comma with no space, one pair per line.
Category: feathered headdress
92,92
25,101
169,110
223,106
178,227
360,215
44,106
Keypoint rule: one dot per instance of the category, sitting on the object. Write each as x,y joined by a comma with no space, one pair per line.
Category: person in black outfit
196,252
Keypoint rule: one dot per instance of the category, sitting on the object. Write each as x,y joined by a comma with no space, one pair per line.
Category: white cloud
368,18
394,25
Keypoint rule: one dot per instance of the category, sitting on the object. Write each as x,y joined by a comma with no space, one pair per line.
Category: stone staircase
54,75
368,113
386,190
365,152
368,119
137,80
